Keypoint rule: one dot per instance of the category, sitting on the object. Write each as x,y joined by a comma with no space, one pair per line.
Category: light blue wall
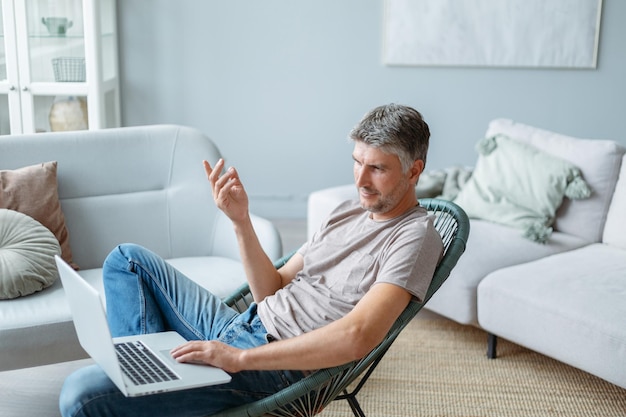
278,84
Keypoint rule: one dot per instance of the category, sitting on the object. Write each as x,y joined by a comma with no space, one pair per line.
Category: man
331,303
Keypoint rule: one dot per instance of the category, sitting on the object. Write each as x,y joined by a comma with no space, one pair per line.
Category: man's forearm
262,276
314,350
347,339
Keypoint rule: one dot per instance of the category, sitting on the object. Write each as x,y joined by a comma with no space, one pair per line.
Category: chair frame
311,394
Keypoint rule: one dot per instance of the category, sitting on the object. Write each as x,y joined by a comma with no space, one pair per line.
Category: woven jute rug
439,368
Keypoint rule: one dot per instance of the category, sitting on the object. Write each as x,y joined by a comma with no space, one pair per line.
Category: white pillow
27,250
599,162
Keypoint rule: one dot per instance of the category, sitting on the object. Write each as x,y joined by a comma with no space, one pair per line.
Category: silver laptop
138,365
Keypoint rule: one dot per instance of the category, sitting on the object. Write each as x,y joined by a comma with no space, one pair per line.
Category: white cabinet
58,65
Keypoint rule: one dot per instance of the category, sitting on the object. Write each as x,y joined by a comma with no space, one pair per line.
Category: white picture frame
492,33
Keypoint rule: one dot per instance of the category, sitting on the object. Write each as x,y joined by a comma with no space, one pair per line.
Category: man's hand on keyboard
211,352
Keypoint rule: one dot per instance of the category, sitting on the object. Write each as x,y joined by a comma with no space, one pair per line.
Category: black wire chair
310,395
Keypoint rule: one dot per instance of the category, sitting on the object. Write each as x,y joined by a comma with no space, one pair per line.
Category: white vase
69,113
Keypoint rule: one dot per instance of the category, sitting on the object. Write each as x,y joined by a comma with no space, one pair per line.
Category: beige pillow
27,250
32,190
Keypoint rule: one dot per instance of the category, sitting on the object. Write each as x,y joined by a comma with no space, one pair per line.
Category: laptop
121,358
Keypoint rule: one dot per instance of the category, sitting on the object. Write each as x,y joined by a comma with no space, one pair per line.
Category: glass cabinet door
5,125
3,62
5,86
60,60
56,40
109,63
108,39
4,100
56,54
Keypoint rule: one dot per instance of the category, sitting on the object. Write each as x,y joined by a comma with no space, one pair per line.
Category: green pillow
27,250
518,185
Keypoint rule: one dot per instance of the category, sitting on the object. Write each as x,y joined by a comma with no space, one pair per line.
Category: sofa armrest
322,202
225,241
268,236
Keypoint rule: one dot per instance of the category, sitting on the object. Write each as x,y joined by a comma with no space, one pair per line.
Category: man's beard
387,202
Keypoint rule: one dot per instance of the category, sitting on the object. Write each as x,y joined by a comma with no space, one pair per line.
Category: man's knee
126,251
121,256
81,388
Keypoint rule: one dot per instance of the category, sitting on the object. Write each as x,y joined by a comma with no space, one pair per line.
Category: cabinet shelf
62,37
47,36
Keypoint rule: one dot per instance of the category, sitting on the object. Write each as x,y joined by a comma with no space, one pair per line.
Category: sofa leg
492,343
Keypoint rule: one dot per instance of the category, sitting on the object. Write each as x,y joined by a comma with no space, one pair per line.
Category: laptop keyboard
141,365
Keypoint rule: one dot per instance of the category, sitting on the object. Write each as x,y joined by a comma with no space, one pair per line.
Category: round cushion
27,250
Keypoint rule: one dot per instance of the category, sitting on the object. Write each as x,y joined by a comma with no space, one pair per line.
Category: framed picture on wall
492,33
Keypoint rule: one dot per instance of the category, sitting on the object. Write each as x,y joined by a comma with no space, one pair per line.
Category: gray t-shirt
349,254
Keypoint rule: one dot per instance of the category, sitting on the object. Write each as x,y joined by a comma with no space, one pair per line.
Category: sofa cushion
615,228
599,162
490,246
519,185
27,250
221,276
568,306
32,190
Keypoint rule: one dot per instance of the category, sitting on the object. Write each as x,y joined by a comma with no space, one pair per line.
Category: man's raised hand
228,191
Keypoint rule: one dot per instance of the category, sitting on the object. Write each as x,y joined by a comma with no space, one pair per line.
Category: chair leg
492,343
355,406
351,396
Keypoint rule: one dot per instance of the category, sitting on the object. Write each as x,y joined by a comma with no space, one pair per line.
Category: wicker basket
69,69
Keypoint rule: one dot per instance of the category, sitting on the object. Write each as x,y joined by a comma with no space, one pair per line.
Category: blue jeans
144,294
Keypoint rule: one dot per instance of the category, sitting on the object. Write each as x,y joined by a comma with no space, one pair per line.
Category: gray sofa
566,297
144,185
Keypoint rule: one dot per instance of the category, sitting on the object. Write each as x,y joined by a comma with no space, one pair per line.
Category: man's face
384,190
